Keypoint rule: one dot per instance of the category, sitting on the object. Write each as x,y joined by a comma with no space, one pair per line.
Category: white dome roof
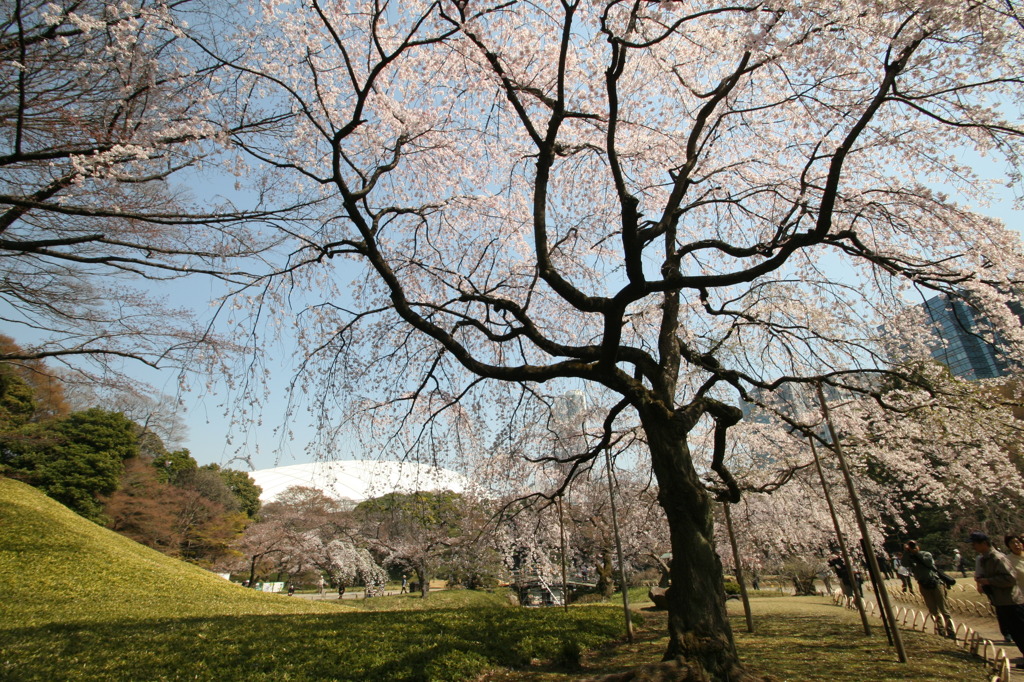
358,480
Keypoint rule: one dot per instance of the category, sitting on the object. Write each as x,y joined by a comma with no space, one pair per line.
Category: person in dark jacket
839,566
932,589
996,580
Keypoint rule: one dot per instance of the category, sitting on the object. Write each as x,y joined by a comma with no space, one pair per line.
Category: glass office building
962,349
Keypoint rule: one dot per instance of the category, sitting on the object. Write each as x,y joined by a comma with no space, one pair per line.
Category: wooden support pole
858,512
561,529
844,550
618,548
739,568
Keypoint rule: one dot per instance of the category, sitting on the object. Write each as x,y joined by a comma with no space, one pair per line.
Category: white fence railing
964,607
965,636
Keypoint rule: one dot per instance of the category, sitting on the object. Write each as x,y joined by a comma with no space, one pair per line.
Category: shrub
569,656
732,587
540,647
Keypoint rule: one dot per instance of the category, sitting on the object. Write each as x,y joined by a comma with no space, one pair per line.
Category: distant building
959,345
790,399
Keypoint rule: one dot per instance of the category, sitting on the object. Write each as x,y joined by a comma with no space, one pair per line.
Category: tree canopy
415,530
75,460
100,113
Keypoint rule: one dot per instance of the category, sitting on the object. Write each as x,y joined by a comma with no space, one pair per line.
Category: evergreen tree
75,459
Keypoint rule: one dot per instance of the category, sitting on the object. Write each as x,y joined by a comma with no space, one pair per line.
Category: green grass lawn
78,602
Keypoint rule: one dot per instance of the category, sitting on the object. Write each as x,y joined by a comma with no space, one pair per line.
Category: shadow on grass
418,645
829,644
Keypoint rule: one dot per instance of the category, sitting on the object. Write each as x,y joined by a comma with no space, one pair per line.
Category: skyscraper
959,345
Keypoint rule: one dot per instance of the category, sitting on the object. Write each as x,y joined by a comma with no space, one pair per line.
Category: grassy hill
56,566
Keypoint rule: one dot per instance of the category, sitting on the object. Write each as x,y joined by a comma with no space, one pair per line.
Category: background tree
75,459
174,466
934,452
681,203
414,530
282,538
343,563
527,537
160,418
926,450
112,470
302,507
17,404
208,516
641,526
475,560
167,501
31,390
100,115
145,509
243,489
262,547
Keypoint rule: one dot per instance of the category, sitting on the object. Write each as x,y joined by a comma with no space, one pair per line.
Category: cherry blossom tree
263,546
934,442
103,121
527,537
281,537
640,520
343,563
679,204
927,441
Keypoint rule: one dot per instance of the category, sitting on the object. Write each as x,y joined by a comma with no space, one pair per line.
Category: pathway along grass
80,603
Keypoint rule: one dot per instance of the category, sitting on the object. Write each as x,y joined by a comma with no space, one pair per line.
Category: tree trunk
699,629
803,585
421,575
252,569
605,574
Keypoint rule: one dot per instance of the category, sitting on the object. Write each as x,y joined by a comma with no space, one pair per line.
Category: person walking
884,564
1015,544
903,573
959,563
932,589
995,578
